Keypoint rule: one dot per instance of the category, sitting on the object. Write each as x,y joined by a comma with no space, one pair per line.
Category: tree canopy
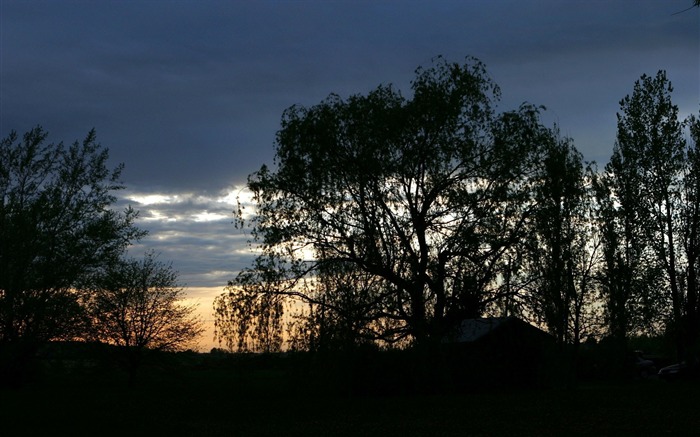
394,217
650,275
425,194
57,229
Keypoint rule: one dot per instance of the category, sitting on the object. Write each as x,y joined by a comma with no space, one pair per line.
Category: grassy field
222,402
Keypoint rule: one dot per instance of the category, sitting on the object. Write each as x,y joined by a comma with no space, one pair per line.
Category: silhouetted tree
337,309
563,250
690,239
345,310
650,127
249,315
57,228
651,217
424,194
630,276
138,306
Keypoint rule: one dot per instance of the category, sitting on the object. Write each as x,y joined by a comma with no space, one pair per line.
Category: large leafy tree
57,229
345,310
426,194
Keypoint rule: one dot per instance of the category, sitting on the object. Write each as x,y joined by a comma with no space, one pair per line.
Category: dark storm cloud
189,94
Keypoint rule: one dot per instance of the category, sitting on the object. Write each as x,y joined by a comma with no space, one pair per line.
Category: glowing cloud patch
151,199
155,215
235,195
207,216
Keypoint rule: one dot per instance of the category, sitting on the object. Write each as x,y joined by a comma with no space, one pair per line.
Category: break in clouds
195,231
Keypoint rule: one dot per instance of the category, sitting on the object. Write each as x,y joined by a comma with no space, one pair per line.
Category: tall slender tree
649,125
561,249
651,202
689,221
630,288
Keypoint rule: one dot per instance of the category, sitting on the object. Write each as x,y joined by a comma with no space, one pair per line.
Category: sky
189,94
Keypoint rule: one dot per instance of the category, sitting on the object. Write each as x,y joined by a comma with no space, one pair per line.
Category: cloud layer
196,231
189,94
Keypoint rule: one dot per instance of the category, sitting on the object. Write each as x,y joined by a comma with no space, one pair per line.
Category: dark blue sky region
189,94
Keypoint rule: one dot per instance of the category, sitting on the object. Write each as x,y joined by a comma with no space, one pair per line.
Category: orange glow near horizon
203,297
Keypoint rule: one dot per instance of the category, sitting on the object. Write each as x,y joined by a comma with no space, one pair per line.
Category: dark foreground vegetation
229,394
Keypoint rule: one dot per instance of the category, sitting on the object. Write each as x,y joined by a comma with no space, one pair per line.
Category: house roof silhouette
473,330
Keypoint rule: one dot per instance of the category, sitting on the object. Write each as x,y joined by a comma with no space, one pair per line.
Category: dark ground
265,401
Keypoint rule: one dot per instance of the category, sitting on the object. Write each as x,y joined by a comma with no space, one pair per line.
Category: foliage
632,288
562,251
689,240
424,195
248,317
139,304
57,229
651,246
344,312
389,219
